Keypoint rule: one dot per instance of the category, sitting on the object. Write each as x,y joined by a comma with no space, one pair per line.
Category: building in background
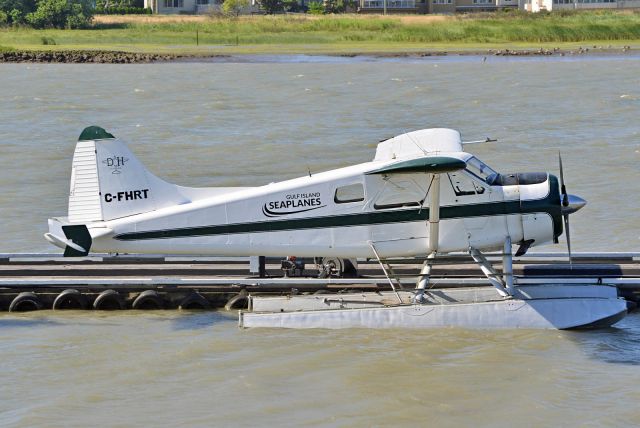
409,6
195,7
434,6
551,5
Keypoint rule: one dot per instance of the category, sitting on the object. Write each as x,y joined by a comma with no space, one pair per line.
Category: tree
271,6
47,13
234,7
61,14
15,10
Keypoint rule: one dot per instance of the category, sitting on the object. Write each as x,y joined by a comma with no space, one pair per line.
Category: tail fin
109,182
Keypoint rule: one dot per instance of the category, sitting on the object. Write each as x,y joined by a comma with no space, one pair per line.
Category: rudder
109,182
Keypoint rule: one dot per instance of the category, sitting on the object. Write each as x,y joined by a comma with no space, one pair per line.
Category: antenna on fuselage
415,142
486,140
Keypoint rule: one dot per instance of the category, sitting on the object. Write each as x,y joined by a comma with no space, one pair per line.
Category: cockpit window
481,170
463,185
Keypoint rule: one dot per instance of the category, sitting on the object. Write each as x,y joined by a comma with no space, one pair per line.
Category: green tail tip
91,133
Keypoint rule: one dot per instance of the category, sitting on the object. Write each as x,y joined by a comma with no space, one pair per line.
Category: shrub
4,18
271,6
234,7
316,8
17,17
292,6
61,14
333,6
122,10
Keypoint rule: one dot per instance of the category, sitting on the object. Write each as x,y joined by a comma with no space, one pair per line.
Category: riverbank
168,38
120,57
83,56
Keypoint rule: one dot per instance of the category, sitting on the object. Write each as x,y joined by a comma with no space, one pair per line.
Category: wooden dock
46,281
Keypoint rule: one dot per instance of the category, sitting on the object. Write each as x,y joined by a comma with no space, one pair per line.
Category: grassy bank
340,33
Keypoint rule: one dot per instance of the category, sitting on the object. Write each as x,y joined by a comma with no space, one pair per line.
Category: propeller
563,188
570,204
565,203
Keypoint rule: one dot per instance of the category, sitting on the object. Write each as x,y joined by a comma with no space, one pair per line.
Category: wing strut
393,287
434,236
434,214
492,275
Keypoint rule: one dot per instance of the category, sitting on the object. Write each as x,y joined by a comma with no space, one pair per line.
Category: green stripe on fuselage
550,205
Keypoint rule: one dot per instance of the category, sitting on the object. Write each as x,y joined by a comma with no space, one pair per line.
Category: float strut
507,266
434,237
423,280
488,270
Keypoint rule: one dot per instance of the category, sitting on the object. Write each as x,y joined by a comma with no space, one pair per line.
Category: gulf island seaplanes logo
293,204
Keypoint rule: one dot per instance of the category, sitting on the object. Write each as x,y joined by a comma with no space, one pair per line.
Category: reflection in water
618,344
28,320
190,320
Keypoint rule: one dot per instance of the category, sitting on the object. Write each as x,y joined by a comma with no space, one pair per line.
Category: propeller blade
566,228
563,188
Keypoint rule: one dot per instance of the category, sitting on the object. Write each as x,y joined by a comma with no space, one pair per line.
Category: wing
427,164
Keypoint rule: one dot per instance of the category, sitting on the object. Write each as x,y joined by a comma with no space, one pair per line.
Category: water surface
209,124
200,124
174,369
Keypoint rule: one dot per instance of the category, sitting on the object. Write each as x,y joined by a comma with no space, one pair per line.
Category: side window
463,185
397,194
350,193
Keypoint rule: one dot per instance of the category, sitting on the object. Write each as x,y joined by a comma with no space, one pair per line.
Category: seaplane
421,196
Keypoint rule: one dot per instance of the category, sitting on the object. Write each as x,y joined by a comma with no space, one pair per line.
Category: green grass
340,33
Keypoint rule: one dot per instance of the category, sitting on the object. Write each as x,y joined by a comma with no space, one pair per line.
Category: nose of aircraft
573,205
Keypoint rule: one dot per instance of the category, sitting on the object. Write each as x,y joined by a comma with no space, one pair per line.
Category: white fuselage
347,212
304,217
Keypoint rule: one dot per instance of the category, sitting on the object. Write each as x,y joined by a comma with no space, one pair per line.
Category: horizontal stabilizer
76,241
62,242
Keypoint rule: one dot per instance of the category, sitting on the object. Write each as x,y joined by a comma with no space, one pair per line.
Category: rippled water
172,369
252,123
